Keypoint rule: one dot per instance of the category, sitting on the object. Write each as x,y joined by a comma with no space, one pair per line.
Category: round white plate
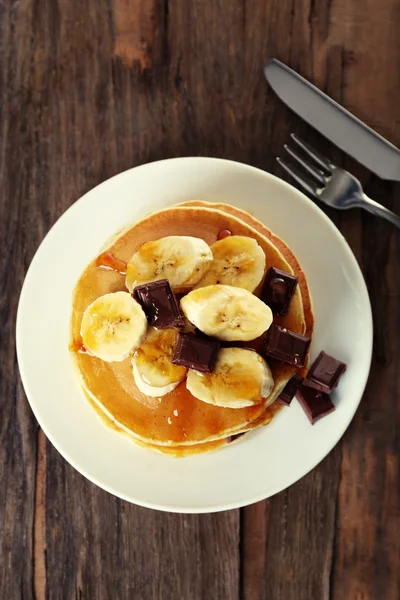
264,462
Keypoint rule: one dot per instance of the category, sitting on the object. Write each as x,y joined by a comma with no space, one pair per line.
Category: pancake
178,419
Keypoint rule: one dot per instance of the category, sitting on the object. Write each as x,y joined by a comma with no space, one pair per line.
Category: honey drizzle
224,233
79,346
108,262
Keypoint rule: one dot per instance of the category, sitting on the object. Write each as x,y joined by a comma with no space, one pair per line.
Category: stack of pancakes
178,423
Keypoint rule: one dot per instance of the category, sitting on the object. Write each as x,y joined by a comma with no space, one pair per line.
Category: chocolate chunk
278,290
325,373
198,353
200,334
314,403
289,391
286,346
159,304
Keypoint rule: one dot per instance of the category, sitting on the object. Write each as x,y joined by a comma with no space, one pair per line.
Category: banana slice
153,370
113,326
238,261
241,378
183,260
227,313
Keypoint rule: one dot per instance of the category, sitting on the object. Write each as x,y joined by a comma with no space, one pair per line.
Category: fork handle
380,211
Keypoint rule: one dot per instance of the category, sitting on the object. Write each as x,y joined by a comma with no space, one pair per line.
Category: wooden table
91,88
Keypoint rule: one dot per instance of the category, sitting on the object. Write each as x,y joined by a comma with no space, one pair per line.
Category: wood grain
89,89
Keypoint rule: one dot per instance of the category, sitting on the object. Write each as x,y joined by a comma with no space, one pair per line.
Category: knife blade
334,122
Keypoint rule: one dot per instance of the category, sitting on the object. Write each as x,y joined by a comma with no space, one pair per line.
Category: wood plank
18,428
369,499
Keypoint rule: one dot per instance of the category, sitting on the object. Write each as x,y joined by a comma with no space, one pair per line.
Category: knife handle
380,211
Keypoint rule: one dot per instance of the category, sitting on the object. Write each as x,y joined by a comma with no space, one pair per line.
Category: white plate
264,462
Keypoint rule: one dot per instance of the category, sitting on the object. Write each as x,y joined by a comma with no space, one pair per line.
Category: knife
334,122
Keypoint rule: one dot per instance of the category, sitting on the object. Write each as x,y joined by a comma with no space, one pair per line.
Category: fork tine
318,158
310,186
317,173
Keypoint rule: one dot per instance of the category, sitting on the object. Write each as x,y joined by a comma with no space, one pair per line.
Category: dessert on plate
193,327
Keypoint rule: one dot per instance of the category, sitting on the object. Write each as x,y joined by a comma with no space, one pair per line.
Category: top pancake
177,419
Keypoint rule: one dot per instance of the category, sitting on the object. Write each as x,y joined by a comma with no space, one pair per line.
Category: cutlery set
317,175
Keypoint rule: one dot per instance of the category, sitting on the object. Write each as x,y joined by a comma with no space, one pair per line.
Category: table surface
89,89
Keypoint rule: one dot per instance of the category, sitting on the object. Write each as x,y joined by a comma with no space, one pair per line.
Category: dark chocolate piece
159,304
289,391
198,333
314,403
196,353
325,373
278,290
286,346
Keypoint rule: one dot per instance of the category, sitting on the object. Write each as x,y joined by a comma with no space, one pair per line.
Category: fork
331,184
